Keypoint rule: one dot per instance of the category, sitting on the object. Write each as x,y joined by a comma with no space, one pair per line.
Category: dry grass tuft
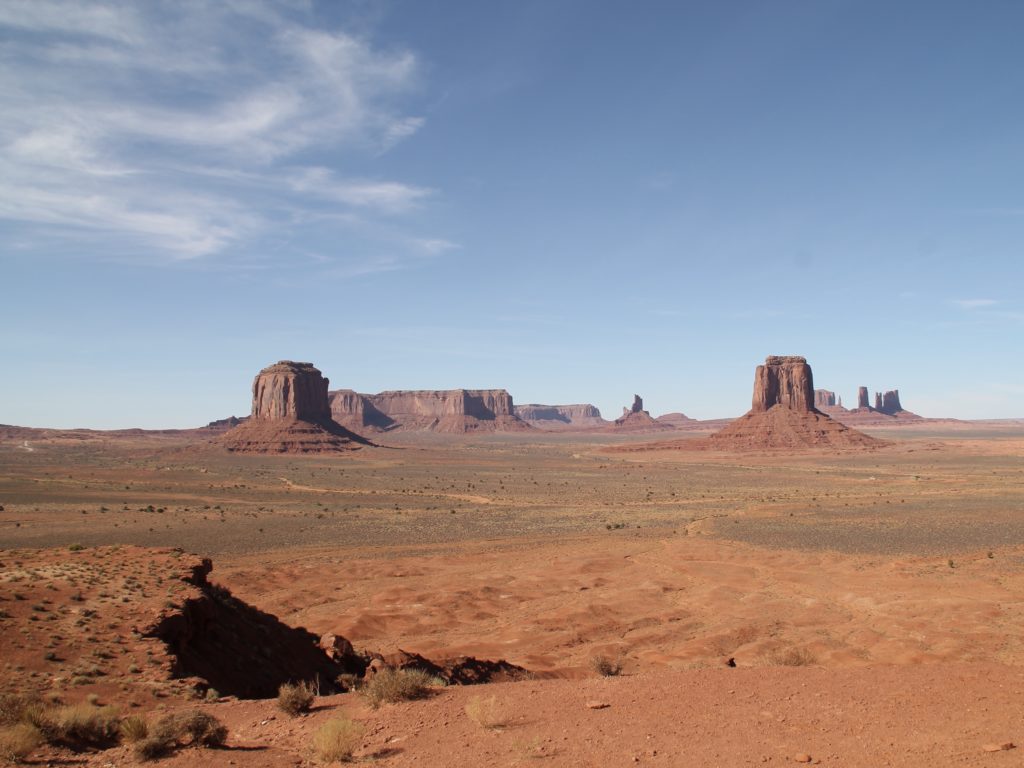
337,740
390,686
194,727
606,667
134,728
15,709
81,725
295,699
486,713
18,741
791,657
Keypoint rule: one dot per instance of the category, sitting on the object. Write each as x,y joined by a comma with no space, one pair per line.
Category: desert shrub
194,727
337,739
349,682
791,657
294,699
18,741
606,667
134,728
393,685
485,712
15,708
81,725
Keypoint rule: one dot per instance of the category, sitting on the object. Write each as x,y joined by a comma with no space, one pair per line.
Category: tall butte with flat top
290,414
782,414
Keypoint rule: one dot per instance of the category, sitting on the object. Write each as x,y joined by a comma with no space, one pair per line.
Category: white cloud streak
173,127
974,303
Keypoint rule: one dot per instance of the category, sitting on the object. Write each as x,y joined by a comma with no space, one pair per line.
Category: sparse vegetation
18,741
294,699
194,728
791,657
485,712
606,667
390,686
134,728
337,740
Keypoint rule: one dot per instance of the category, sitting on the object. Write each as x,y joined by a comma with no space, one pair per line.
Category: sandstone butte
452,411
635,418
290,414
783,414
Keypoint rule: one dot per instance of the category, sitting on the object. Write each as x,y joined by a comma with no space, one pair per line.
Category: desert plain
672,607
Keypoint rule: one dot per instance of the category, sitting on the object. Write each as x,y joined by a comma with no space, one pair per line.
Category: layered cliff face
576,416
357,412
453,410
783,414
290,390
785,381
290,414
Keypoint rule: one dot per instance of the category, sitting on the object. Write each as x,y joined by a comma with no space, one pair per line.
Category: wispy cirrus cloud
975,303
176,127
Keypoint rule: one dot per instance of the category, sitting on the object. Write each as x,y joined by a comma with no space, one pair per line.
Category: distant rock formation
862,397
577,416
783,414
290,414
635,418
453,410
888,402
824,398
676,419
228,423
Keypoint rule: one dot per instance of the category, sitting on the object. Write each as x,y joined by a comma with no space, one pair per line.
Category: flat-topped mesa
290,414
785,381
824,398
575,416
451,410
289,390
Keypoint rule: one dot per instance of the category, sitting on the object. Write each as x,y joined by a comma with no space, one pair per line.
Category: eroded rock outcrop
635,418
783,415
824,398
290,414
453,410
576,416
862,397
889,402
785,381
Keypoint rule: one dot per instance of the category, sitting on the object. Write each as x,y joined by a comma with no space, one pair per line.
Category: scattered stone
801,757
598,705
1001,747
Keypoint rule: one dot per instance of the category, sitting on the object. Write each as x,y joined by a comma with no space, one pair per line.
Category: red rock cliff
786,381
288,390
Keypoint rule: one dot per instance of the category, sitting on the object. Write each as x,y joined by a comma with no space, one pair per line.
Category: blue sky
572,200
